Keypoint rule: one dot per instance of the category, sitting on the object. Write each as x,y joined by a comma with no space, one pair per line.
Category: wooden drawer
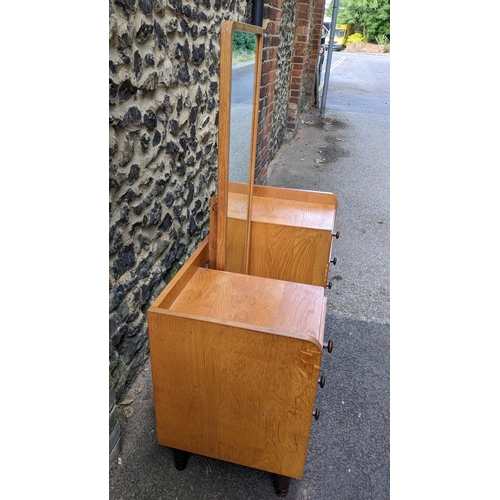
235,365
291,233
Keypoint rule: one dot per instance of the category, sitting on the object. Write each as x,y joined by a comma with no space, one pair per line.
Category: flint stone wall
164,102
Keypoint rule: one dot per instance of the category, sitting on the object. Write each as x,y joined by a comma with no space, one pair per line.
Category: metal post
257,12
329,58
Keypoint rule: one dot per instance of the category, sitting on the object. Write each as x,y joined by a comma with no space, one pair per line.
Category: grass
240,56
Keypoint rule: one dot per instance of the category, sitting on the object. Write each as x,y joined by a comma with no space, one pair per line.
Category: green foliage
243,41
243,46
383,40
356,38
329,10
370,17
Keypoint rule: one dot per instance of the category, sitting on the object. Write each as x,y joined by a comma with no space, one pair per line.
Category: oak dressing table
236,337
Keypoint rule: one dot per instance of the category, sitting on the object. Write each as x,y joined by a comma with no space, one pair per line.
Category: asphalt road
241,122
347,153
348,457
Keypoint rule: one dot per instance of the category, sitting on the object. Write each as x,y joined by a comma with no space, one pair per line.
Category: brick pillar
305,45
300,60
314,45
271,27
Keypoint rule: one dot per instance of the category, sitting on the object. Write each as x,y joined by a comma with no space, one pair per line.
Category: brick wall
273,97
364,47
292,32
300,60
316,33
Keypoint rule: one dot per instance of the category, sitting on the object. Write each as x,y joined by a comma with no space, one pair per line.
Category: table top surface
281,211
293,308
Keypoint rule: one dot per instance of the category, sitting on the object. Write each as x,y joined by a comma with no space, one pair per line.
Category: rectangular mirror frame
227,29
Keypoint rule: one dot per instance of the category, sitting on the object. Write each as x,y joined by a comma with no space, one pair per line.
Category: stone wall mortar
163,129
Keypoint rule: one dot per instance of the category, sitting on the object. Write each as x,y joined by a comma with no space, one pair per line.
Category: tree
370,17
329,9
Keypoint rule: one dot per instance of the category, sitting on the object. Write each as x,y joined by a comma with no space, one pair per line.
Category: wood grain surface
235,364
232,393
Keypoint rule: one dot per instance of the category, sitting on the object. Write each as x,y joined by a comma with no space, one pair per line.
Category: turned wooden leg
281,484
181,459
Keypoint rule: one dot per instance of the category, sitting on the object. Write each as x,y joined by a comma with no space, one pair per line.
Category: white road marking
334,65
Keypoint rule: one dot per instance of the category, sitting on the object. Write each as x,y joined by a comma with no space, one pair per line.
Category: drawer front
290,253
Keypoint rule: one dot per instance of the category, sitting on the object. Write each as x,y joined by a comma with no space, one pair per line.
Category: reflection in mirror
240,140
242,82
241,50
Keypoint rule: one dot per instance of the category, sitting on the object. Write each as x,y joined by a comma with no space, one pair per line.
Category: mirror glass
241,50
240,150
242,93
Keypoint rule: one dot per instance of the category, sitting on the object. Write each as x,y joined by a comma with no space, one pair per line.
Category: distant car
342,32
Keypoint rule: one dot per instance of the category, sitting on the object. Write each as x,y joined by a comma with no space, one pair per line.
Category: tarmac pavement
347,153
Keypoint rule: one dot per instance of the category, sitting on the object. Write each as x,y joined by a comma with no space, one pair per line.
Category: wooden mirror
238,115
